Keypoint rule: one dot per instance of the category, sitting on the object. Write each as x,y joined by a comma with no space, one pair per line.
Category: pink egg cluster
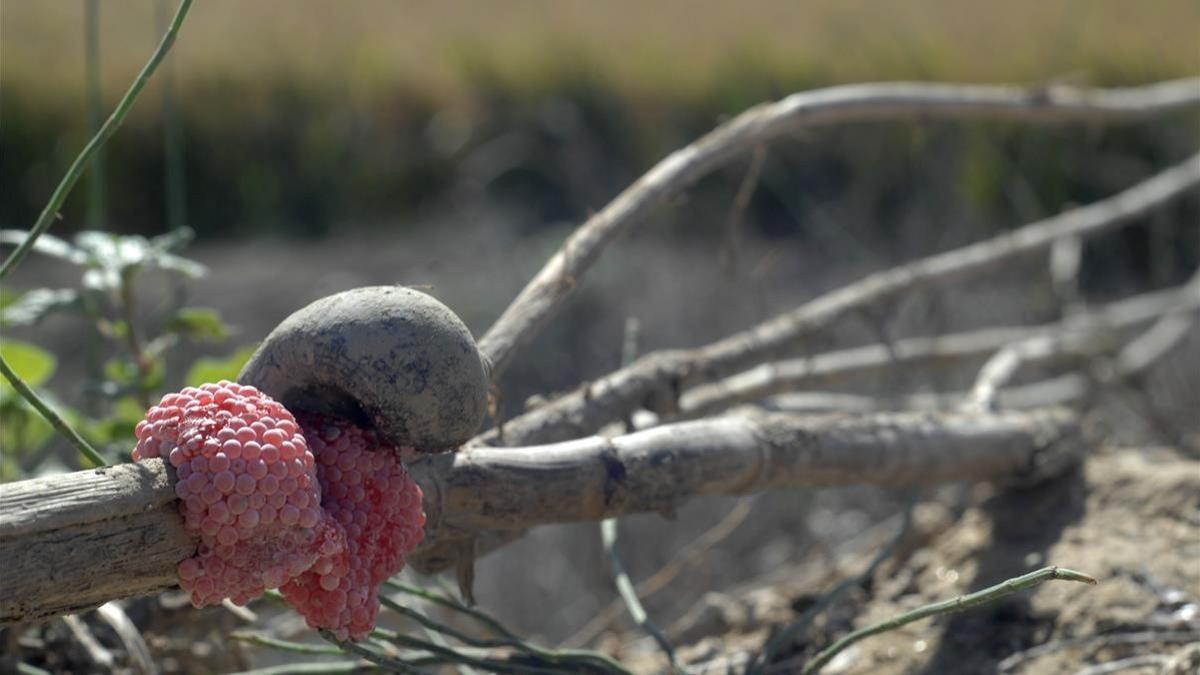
248,489
319,508
370,495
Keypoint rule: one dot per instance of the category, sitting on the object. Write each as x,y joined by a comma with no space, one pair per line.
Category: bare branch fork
656,380
1094,332
74,541
545,294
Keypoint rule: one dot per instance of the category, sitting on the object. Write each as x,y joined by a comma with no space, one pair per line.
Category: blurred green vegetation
302,117
120,388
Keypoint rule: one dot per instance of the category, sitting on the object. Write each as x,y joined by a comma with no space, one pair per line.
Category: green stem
608,537
317,668
439,627
109,127
176,181
96,184
560,657
785,636
392,664
128,300
456,656
49,415
572,659
285,645
945,607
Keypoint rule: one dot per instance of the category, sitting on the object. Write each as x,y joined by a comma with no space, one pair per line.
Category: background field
296,117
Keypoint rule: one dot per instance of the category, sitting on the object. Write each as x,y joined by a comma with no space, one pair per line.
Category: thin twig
60,425
837,367
958,604
1066,257
461,656
1003,366
1169,328
659,376
545,294
434,630
284,645
106,131
316,668
1107,639
730,252
802,622
1144,661
96,653
689,555
135,645
392,664
508,638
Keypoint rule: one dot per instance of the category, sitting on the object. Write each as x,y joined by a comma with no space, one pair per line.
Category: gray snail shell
383,357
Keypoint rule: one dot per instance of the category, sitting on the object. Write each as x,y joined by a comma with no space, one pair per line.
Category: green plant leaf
207,370
35,305
199,324
121,370
172,241
46,245
33,364
110,256
107,279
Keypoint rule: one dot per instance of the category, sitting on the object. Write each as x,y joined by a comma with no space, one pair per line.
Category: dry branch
545,294
1135,356
74,541
656,380
1081,335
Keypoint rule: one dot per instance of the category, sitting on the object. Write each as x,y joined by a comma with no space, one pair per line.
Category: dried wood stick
545,294
1169,328
1083,334
1004,364
656,380
74,541
1140,353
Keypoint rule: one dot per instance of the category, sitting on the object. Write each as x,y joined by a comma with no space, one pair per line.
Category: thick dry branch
74,541
545,294
656,380
1081,335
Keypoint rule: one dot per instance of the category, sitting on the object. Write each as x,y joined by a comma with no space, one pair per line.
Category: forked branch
656,380
544,295
1084,335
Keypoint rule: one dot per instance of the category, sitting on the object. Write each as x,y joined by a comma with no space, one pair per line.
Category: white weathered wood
546,293
656,380
1081,335
74,541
